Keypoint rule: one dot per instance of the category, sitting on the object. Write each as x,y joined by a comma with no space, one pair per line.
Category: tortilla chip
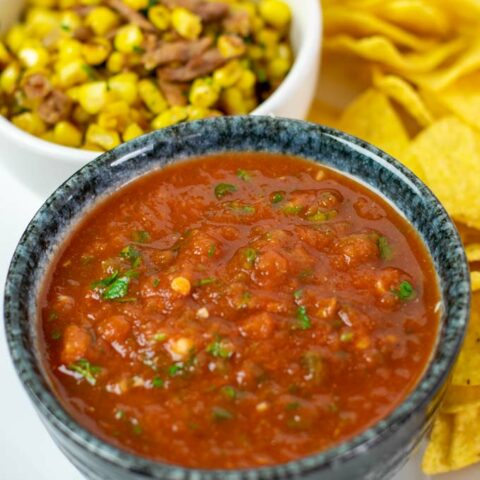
417,16
475,279
373,118
467,369
436,458
473,252
324,114
402,92
465,447
380,49
340,19
468,62
460,397
449,152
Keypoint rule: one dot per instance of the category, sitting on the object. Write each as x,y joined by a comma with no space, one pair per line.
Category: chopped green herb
105,282
346,337
65,27
206,281
220,414
152,3
229,392
218,348
91,74
315,366
137,429
223,189
156,282
306,274
276,197
157,382
245,300
141,236
292,406
322,216
175,369
88,371
261,75
131,254
138,49
304,322
386,252
291,209
243,175
119,414
118,289
86,259
56,335
240,208
297,294
250,255
52,316
211,250
405,291
160,337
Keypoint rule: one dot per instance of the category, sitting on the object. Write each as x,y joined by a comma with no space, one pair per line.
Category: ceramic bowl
378,452
44,165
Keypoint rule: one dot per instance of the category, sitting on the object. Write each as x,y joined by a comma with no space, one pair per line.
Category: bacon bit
131,15
83,34
207,11
197,67
238,23
56,106
160,53
174,92
36,86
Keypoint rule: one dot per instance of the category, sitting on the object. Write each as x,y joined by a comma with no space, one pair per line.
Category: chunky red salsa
238,310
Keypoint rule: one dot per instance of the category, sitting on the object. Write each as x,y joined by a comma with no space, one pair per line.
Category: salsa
238,310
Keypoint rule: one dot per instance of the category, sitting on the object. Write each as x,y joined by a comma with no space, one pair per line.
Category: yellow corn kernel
115,115
69,48
159,16
71,72
43,3
67,134
284,51
64,4
80,115
233,101
70,21
152,97
97,51
33,55
275,12
90,2
40,22
278,68
132,131
186,23
9,78
246,82
15,38
170,117
101,20
255,52
124,85
4,55
267,37
136,4
257,23
128,38
48,136
181,285
116,62
228,75
230,46
107,139
182,346
251,103
204,93
92,96
197,113
30,122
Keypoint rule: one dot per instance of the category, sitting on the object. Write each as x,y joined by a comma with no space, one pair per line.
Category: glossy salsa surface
238,310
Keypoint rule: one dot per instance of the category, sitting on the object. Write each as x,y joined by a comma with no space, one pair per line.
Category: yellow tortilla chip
372,117
436,458
449,152
380,49
475,279
468,62
418,16
324,114
460,397
473,252
465,447
467,369
402,92
340,19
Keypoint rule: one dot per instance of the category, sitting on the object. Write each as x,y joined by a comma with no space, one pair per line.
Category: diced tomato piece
357,249
114,329
259,326
270,268
76,342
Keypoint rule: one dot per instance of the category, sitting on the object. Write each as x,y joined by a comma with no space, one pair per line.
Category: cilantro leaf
118,289
243,175
88,371
304,322
223,189
105,282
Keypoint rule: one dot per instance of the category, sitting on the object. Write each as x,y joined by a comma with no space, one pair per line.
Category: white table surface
26,450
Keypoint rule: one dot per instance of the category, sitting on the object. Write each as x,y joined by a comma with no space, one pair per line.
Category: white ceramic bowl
44,165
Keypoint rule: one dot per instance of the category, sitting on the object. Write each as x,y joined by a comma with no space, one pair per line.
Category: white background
26,450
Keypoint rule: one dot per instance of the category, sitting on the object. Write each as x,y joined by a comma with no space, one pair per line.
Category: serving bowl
378,452
44,165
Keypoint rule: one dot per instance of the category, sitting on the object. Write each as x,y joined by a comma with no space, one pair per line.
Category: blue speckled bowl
377,453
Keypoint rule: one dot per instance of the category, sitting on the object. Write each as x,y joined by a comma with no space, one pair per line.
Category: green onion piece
219,349
206,281
386,252
229,391
250,255
160,337
297,294
131,254
304,322
346,337
243,175
405,291
211,250
156,282
322,216
175,369
237,207
221,414
276,197
157,382
291,209
141,236
88,371
292,406
56,335
223,189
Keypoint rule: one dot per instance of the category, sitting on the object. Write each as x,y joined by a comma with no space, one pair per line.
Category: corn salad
93,73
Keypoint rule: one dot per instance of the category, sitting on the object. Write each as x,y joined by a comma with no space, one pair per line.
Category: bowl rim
310,45
428,387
